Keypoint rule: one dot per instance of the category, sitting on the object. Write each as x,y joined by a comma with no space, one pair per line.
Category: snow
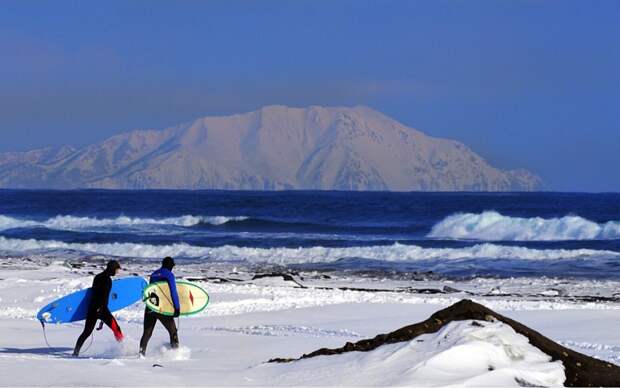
249,322
464,353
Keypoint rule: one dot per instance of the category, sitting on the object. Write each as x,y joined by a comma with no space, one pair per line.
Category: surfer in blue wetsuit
98,307
151,317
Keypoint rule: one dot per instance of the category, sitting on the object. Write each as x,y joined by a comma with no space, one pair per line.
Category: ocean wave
296,225
11,223
395,252
229,223
66,222
273,225
493,226
254,222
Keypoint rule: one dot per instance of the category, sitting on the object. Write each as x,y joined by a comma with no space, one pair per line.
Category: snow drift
461,353
466,344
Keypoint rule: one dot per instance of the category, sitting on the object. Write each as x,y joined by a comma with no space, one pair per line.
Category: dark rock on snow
581,370
285,277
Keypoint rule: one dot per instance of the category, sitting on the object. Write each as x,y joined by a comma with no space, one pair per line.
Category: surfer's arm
106,299
98,293
173,291
104,293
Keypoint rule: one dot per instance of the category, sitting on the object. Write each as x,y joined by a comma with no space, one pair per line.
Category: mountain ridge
273,148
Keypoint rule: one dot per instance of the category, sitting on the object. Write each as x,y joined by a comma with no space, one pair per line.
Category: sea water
446,234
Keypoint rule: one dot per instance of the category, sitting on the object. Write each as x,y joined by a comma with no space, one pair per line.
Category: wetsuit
98,309
151,317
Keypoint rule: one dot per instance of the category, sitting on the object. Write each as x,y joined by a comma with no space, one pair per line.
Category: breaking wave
395,252
492,226
78,223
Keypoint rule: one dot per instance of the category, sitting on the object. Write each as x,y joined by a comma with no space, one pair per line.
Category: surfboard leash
165,296
55,350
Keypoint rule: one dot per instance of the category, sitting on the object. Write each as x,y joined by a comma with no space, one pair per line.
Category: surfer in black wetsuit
98,307
151,317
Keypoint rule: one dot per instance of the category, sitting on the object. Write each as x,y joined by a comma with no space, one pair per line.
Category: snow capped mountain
273,148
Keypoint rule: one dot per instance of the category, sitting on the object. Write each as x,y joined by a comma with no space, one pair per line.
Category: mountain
273,148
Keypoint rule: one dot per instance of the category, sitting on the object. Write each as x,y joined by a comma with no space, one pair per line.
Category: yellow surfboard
192,298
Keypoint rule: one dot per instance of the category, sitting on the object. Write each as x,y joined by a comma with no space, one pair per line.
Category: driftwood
285,276
581,370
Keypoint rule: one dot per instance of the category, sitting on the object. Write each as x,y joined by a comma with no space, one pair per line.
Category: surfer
151,317
98,307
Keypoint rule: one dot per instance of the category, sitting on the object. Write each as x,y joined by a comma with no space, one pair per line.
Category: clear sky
533,84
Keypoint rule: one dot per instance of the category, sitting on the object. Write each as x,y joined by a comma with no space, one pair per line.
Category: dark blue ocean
449,234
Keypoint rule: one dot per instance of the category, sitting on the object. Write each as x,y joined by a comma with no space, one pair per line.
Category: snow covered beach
251,321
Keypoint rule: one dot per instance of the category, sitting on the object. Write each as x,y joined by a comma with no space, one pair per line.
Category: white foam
179,354
126,349
395,252
493,226
219,220
10,223
110,249
66,222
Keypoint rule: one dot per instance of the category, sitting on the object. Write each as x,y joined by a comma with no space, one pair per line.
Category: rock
211,279
450,290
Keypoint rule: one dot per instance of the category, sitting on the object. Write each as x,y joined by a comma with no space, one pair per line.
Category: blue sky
533,84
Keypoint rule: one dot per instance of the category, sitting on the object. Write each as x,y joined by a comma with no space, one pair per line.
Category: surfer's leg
149,324
169,324
107,318
89,326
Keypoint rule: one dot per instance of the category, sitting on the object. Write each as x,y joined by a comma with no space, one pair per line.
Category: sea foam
67,222
493,226
395,252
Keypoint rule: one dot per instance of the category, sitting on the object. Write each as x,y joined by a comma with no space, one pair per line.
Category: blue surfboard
73,307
